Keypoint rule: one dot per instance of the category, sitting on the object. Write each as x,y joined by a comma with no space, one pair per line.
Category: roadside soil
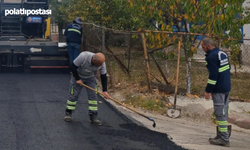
195,125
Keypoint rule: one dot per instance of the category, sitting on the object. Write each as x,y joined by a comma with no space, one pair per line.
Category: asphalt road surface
32,112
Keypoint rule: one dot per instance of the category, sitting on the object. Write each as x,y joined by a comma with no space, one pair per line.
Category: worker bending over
84,69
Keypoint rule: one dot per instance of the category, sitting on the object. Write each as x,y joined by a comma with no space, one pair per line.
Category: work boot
94,120
68,116
229,127
217,134
219,141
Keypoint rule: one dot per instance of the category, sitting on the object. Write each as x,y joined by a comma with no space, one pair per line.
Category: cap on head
78,20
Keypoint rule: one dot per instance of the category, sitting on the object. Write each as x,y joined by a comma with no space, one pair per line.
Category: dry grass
199,75
145,102
240,85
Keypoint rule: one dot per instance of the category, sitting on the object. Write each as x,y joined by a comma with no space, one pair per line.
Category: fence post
109,71
84,39
82,42
147,61
103,40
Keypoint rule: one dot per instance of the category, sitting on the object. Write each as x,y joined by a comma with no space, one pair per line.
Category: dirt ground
195,125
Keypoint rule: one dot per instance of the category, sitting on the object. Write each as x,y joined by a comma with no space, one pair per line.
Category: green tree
206,17
56,14
108,13
212,17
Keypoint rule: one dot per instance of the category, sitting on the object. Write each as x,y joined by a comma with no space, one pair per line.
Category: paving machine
25,41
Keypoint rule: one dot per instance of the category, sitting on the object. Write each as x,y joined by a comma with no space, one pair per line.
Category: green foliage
162,55
234,45
216,16
56,13
109,13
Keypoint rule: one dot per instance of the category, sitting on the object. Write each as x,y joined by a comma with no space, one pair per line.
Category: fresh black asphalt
32,112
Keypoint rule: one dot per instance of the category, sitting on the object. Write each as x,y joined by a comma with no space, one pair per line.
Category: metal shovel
174,112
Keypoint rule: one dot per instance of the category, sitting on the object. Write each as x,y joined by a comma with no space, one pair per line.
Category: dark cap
78,20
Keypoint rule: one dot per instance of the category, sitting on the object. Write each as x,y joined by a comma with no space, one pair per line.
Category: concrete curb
197,111
201,109
240,120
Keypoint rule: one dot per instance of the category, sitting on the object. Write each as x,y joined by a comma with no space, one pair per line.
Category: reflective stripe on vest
224,68
74,30
211,82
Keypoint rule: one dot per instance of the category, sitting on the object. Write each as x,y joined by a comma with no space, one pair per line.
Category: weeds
147,103
199,76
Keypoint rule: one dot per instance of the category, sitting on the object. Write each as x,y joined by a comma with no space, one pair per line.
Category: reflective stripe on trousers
75,90
220,101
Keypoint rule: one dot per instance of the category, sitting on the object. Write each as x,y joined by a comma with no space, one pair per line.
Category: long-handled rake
122,104
176,112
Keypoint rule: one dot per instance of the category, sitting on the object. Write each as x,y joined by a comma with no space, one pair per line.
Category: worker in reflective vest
218,86
73,33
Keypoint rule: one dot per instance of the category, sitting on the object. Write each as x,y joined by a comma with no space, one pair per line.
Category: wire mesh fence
155,67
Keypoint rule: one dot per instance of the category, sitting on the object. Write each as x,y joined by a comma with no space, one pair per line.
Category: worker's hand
79,82
207,95
106,95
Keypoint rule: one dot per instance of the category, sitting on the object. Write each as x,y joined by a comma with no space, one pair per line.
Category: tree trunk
166,68
147,61
189,76
188,66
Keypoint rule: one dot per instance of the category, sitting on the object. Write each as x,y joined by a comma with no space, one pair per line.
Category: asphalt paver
32,112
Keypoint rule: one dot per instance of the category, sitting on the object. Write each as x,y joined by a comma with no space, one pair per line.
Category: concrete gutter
200,108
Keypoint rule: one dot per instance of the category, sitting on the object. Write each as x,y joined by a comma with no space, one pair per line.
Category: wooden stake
177,71
147,62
